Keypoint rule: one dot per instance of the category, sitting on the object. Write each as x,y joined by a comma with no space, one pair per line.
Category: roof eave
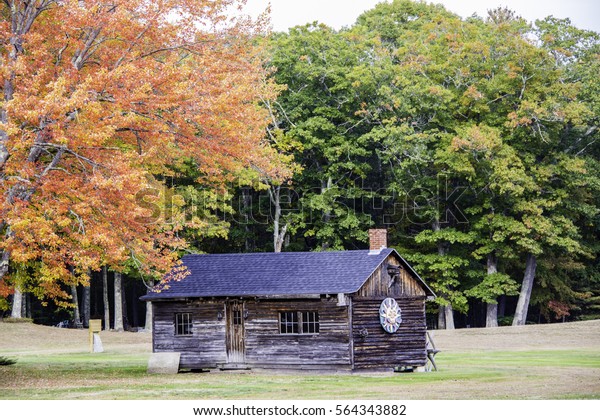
158,297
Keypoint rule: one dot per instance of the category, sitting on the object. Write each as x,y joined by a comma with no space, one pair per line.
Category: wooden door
234,342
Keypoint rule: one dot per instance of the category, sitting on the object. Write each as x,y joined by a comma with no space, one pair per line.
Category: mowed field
557,361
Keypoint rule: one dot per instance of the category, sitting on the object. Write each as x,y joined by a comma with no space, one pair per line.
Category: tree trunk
445,310
118,302
17,306
96,301
247,211
525,295
278,232
86,306
449,316
75,300
148,325
105,298
148,322
326,186
125,317
445,317
4,262
491,316
441,318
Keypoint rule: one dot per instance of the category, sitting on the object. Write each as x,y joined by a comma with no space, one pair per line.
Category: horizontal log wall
374,348
205,348
266,347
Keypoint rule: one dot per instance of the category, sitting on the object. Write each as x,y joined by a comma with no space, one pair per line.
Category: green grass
477,374
553,358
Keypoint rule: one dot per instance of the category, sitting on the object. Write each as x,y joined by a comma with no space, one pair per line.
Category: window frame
290,324
310,321
302,324
184,324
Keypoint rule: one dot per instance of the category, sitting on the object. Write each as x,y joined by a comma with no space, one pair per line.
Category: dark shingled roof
268,274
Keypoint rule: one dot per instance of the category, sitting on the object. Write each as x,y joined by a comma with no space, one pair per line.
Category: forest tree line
473,141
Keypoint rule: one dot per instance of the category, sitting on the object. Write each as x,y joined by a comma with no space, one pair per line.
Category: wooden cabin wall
267,348
378,283
206,347
374,348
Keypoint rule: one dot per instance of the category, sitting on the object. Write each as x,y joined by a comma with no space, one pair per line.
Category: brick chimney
377,240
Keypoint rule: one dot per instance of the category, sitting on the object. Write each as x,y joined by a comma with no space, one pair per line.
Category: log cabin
335,310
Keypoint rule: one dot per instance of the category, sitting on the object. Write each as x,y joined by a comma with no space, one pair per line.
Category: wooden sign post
95,328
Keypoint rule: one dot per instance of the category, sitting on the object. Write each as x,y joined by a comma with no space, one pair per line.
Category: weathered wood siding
205,347
374,348
380,283
267,348
263,344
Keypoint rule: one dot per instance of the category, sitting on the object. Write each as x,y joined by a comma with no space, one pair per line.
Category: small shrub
505,321
6,361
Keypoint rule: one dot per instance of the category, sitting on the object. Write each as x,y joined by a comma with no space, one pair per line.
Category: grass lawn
58,369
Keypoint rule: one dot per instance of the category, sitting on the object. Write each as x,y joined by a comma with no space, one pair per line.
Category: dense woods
473,141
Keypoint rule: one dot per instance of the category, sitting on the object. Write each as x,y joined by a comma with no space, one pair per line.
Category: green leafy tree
480,103
317,113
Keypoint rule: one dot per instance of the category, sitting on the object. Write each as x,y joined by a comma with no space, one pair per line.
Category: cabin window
310,322
183,324
304,322
288,323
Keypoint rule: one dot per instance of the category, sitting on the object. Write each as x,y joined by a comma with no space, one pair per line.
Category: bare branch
54,163
80,220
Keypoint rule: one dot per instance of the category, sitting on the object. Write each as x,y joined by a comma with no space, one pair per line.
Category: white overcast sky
584,14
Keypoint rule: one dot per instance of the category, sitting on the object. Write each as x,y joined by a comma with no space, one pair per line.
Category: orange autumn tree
100,99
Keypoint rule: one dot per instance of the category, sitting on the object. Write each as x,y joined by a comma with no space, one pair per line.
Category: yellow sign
95,327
